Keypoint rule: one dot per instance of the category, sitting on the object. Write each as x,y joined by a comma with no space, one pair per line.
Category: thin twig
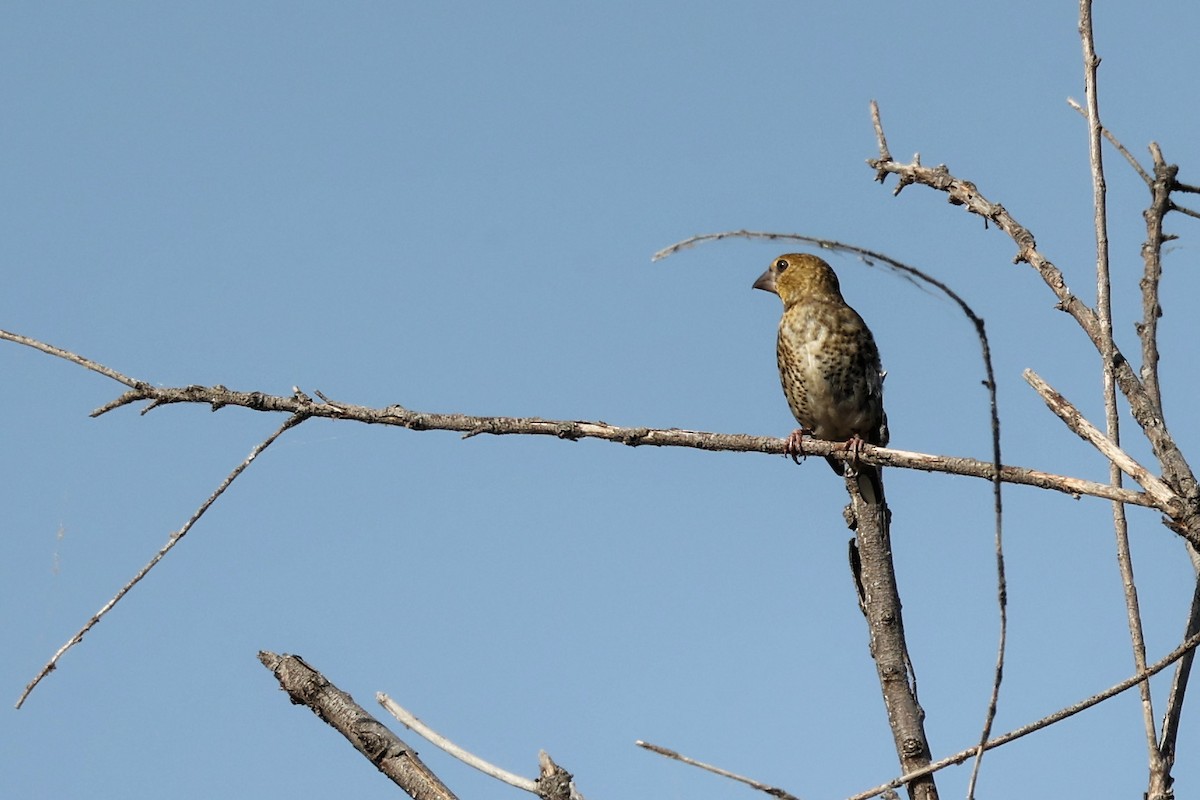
724,773
1133,614
410,721
1186,211
1179,681
174,539
1133,162
72,357
1184,649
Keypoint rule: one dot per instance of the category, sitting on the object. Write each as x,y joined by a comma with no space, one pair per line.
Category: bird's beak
766,282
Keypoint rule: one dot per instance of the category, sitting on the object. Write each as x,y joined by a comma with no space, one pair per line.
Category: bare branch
1184,649
1163,750
1133,162
1186,211
965,194
301,404
410,721
724,773
1179,681
1070,415
69,356
384,749
1091,62
174,539
1160,204
879,597
884,153
1187,648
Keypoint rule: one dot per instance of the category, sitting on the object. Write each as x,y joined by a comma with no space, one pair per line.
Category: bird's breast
829,368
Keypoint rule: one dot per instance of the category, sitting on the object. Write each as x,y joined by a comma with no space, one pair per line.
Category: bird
829,364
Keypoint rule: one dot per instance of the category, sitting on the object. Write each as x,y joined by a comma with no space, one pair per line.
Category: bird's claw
794,445
853,446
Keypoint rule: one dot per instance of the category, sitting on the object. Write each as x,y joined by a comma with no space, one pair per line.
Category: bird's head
796,277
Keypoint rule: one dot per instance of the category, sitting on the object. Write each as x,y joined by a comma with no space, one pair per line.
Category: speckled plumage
828,361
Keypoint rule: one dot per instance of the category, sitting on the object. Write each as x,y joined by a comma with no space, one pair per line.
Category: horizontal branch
303,407
301,404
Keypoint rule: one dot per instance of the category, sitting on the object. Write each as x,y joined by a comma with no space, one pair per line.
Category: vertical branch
1107,350
1163,182
1161,783
880,598
1160,203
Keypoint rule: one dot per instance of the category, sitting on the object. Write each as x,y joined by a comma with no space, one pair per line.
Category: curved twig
410,721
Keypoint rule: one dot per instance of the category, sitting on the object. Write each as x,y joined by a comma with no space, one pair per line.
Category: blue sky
453,207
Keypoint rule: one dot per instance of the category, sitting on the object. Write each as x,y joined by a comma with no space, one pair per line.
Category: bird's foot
853,446
794,444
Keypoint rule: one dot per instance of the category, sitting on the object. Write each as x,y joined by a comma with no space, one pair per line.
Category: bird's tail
868,477
870,484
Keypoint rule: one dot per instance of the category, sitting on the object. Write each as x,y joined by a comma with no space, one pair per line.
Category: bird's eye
781,264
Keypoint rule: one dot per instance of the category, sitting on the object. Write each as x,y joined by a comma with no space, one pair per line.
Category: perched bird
828,362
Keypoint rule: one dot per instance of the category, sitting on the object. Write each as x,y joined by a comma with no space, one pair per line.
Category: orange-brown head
796,277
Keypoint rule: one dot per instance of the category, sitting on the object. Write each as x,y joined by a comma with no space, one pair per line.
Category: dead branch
1188,647
875,577
175,538
298,403
774,791
963,193
553,782
1112,420
372,738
